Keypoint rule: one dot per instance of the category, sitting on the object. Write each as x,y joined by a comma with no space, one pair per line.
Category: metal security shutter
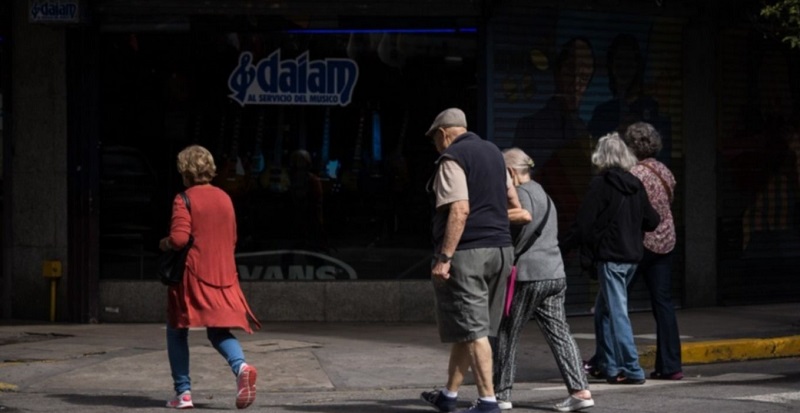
529,110
759,208
276,15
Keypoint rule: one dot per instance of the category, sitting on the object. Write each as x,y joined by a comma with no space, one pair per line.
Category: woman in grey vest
539,293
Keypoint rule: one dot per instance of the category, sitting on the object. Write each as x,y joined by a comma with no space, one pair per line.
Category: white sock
490,399
449,393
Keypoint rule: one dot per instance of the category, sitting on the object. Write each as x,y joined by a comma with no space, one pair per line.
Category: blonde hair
611,152
518,160
196,164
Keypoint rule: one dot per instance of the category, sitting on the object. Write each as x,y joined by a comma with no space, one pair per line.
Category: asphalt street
732,353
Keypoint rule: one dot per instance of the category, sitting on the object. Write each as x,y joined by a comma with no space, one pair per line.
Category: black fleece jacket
616,197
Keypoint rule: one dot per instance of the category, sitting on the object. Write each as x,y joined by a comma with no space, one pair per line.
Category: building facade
315,114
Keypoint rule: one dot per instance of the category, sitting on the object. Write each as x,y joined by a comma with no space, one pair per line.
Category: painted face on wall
624,67
575,74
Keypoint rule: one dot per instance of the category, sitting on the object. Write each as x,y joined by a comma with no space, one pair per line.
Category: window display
317,137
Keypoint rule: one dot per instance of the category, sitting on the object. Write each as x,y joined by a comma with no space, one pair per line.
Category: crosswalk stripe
774,397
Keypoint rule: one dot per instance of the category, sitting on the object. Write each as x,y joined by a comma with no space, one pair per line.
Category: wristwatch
442,257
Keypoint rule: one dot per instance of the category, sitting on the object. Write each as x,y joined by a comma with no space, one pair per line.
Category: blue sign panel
298,81
63,11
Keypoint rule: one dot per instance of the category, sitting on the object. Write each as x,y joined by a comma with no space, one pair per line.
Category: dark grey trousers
544,301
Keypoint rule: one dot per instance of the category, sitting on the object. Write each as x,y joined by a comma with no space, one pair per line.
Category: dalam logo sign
64,11
299,265
299,81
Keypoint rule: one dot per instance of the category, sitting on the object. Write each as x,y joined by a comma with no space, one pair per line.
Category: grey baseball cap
448,118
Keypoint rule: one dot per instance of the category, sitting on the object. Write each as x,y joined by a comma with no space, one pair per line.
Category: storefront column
700,186
39,202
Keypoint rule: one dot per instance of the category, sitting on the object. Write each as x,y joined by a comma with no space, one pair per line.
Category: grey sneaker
572,403
439,400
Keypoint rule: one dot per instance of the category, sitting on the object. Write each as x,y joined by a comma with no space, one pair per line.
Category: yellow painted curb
7,387
704,352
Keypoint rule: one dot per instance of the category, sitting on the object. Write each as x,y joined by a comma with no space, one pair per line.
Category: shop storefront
316,128
316,123
315,114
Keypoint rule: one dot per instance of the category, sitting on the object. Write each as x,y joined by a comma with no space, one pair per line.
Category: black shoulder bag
172,263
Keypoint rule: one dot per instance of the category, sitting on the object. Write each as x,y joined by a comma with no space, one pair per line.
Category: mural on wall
579,76
759,177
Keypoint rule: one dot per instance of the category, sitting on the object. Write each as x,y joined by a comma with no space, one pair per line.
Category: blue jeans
657,272
178,352
615,345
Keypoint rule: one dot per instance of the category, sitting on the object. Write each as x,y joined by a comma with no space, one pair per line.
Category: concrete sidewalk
325,357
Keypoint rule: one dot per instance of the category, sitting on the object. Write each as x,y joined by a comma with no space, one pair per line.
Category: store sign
299,81
54,11
297,265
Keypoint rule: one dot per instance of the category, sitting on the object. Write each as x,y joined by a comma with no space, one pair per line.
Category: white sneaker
504,404
572,403
181,401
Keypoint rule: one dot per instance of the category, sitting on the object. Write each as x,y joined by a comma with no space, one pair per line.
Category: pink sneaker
181,401
245,386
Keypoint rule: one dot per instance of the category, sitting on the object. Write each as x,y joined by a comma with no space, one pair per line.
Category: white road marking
774,397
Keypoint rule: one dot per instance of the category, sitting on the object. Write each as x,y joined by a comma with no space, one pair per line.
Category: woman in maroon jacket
209,294
656,264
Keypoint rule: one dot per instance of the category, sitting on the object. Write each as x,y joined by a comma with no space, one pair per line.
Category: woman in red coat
209,294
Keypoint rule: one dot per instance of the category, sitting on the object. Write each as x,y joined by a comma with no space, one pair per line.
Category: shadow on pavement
372,406
110,400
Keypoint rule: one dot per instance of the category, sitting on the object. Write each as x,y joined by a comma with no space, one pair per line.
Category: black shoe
440,401
674,376
591,370
481,406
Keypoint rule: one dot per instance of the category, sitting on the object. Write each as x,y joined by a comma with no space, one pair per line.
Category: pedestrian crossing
780,398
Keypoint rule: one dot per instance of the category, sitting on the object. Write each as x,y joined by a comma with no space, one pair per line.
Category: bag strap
186,201
538,231
663,182
188,208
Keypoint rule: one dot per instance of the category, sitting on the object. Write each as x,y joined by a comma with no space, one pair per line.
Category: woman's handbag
172,263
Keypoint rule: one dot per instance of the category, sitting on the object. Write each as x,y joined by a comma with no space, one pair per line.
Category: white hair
518,160
611,152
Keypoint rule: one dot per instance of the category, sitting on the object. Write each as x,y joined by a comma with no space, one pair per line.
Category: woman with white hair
610,224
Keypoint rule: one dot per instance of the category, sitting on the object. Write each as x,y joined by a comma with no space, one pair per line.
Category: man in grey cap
472,195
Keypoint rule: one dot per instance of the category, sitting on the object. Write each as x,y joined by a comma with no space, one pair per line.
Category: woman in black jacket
610,225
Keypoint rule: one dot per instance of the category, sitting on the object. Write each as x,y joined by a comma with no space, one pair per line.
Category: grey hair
611,152
518,160
643,139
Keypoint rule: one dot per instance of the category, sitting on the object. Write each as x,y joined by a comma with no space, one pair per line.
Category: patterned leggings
543,300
